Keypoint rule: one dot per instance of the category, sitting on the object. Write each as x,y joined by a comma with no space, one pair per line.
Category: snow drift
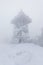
21,54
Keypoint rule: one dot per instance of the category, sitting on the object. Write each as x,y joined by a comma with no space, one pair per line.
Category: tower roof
21,19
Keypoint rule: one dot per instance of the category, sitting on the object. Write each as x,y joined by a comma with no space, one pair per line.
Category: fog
10,8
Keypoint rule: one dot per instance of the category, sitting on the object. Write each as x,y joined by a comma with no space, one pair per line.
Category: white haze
10,8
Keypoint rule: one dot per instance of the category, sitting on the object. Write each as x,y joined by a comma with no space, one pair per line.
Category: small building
21,32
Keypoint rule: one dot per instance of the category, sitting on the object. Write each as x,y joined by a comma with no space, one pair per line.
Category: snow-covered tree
21,32
40,39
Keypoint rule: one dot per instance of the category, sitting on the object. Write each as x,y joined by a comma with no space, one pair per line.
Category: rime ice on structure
21,32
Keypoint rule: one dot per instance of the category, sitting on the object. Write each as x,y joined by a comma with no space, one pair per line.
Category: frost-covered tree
40,39
21,32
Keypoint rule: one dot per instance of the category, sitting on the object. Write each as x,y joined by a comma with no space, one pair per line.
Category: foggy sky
10,8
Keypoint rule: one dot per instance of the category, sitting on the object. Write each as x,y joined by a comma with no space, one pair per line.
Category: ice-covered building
21,32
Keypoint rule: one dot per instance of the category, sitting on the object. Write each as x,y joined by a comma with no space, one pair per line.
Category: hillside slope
21,54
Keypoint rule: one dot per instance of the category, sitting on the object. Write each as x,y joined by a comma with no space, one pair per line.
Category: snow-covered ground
21,54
